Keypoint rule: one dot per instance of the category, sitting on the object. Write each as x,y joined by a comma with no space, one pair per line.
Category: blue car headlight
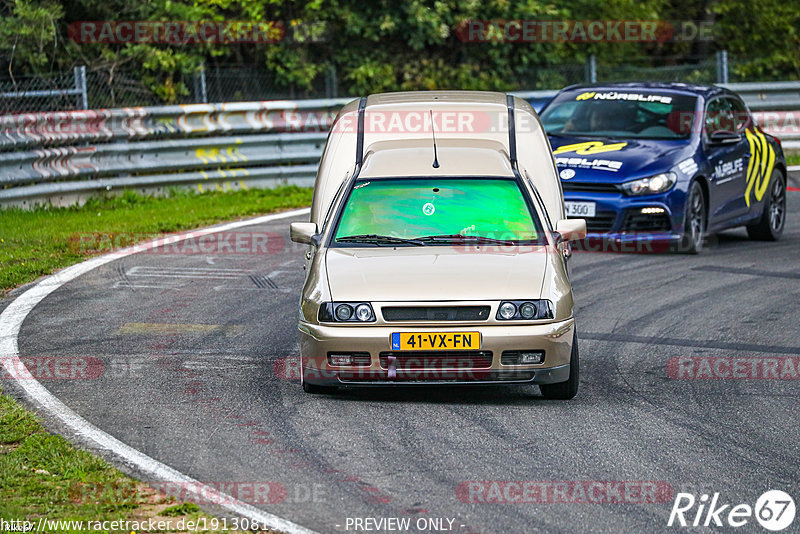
649,186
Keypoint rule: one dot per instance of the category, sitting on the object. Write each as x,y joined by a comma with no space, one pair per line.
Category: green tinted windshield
416,208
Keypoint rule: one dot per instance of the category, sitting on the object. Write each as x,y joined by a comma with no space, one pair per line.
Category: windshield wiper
450,238
379,240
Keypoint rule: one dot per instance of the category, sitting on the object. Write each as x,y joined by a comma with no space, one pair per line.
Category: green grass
42,475
181,509
37,242
793,159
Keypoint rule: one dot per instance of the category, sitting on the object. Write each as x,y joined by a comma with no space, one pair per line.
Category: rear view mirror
724,138
571,229
302,232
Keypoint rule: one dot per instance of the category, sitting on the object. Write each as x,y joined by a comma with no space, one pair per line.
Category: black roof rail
362,105
512,135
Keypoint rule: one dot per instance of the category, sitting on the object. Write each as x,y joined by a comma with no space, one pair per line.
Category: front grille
636,221
602,222
589,188
435,313
455,359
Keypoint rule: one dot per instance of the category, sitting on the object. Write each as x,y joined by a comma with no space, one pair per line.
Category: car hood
615,160
435,273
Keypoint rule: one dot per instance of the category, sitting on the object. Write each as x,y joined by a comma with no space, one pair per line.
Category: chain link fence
84,88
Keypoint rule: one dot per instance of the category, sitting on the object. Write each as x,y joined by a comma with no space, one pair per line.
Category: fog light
340,360
651,211
530,357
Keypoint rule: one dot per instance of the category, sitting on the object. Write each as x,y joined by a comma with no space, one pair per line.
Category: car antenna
433,133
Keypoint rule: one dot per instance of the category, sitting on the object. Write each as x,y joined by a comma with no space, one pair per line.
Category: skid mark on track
747,272
691,343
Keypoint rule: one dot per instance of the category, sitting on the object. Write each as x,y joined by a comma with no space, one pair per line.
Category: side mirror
571,229
302,232
724,138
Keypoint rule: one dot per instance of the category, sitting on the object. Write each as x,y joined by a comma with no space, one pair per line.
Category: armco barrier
33,130
64,157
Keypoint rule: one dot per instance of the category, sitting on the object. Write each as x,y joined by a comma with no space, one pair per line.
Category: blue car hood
615,160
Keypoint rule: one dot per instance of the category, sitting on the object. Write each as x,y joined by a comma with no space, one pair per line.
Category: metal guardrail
26,130
64,157
772,96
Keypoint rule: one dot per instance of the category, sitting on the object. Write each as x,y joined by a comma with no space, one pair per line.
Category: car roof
456,157
436,98
704,91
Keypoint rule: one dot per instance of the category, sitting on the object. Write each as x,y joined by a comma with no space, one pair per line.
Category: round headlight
528,310
507,310
344,312
363,312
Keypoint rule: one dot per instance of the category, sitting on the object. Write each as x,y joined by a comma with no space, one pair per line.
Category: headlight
528,310
507,310
511,310
648,186
346,312
363,312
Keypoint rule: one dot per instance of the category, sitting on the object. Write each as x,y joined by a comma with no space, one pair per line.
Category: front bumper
619,225
431,367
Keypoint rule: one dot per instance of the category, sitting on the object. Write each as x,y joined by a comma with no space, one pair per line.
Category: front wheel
770,226
694,226
565,390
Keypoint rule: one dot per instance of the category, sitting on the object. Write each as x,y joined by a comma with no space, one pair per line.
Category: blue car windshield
629,114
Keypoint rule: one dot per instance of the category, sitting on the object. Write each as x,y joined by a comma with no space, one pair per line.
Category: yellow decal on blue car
590,147
759,169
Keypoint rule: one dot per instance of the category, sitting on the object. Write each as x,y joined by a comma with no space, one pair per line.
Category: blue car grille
635,221
589,187
601,223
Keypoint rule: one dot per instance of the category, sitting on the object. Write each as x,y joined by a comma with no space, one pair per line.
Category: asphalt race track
197,357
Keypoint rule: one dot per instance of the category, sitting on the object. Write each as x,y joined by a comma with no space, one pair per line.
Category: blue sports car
667,163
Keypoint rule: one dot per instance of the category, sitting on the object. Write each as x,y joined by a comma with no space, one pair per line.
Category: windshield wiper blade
376,239
449,238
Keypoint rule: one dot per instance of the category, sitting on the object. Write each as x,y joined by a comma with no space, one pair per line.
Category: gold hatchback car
437,249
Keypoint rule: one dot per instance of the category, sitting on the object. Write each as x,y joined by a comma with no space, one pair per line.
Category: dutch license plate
436,341
579,209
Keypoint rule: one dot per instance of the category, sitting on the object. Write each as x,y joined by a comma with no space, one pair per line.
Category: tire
695,220
565,390
770,226
314,389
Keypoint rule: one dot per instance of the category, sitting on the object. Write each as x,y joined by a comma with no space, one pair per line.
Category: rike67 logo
774,510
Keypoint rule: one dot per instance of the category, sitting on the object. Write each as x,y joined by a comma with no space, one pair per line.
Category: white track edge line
792,168
11,320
